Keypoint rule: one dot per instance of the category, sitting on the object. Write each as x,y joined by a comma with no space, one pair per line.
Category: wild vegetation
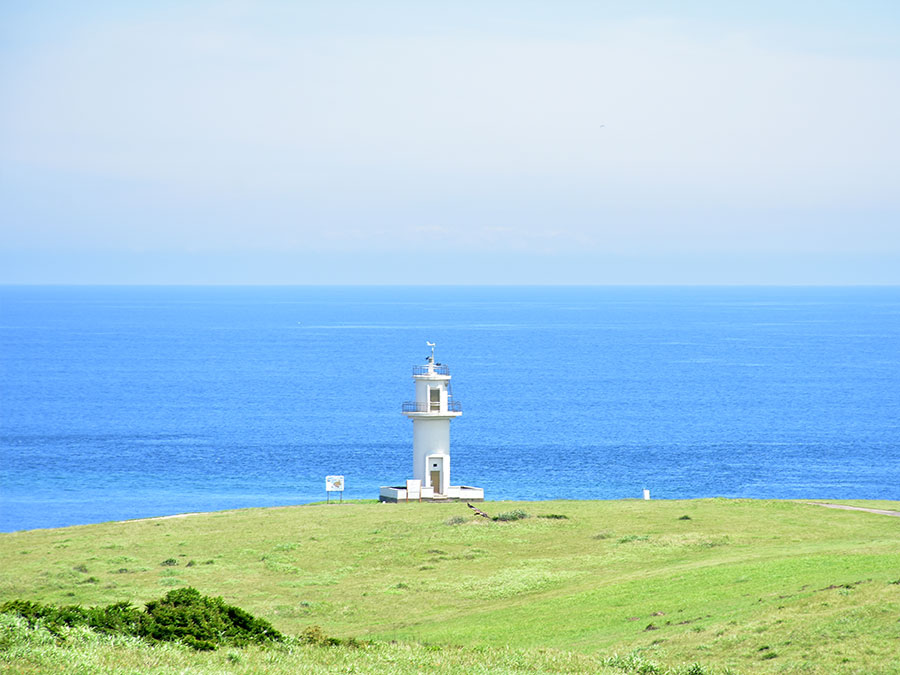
702,586
183,615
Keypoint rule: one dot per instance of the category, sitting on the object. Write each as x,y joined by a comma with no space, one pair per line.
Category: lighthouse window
435,398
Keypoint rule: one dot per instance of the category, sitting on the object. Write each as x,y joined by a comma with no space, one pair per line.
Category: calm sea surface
126,402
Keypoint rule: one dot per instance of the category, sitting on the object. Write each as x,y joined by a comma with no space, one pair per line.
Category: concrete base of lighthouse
454,493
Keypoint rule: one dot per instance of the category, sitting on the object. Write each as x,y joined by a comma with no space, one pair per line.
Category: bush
554,516
632,537
314,635
186,616
516,514
183,615
117,618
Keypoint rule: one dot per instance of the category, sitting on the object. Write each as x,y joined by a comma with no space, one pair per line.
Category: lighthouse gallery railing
415,406
438,370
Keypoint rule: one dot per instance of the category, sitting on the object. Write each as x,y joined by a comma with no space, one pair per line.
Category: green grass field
738,586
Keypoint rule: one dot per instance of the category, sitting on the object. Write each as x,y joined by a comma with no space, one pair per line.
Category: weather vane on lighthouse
431,413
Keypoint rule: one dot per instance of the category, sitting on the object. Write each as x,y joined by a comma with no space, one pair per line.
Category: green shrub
182,615
554,516
314,635
516,514
186,616
632,537
117,618
456,520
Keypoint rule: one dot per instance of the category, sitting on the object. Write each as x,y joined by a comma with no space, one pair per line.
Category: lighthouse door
435,466
436,481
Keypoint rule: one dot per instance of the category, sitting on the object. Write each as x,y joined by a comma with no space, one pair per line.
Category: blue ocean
129,402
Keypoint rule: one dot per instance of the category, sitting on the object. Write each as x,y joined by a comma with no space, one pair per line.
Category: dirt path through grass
845,507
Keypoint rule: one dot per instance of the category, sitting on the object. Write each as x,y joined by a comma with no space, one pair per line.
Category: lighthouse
431,413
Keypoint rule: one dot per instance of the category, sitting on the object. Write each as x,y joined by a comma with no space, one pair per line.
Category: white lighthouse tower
431,413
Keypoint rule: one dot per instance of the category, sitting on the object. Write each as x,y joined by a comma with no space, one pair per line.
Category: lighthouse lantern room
431,413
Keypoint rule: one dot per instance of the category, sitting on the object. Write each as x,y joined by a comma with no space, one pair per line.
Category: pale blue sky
463,142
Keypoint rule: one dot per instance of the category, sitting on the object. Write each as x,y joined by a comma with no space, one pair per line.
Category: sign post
334,484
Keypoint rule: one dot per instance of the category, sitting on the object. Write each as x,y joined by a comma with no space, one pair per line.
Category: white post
647,495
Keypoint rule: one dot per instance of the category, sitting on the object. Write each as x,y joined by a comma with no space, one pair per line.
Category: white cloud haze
261,128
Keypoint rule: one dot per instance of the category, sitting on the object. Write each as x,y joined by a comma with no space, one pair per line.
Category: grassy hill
738,586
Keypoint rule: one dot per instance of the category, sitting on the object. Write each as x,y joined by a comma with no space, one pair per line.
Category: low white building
431,413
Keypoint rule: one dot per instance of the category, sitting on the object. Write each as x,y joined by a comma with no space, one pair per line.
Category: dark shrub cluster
183,615
515,514
314,635
118,618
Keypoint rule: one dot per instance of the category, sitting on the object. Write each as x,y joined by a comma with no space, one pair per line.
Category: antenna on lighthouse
431,344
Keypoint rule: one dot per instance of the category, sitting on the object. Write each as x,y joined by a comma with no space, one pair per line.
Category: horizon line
9,284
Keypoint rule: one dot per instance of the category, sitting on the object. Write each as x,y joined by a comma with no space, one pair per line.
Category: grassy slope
739,582
865,503
36,651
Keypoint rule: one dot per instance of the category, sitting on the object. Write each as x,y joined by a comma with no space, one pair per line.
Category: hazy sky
450,142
